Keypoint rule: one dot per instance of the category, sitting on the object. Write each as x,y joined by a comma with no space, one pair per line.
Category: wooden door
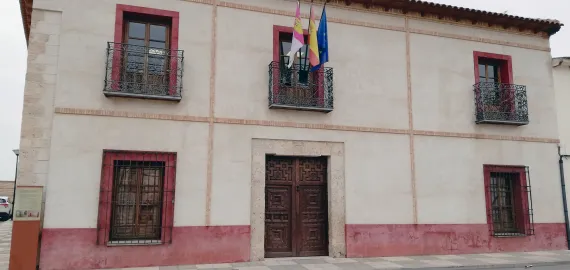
296,213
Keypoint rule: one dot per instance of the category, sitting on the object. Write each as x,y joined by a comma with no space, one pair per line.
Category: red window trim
104,216
506,74
119,35
277,29
506,61
521,196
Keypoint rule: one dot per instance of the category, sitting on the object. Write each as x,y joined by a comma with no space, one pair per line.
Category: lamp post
17,152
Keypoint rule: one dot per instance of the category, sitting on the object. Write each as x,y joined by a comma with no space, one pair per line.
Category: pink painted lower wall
74,249
64,249
407,239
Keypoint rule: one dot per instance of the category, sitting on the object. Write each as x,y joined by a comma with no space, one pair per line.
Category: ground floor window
509,200
137,197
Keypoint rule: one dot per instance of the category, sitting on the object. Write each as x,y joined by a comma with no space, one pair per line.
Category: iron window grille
136,198
501,103
298,88
143,72
509,201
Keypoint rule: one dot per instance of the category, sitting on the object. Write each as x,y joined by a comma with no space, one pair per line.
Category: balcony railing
500,103
299,89
143,72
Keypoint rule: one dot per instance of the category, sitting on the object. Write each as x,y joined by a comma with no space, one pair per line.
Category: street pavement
556,260
5,239
553,267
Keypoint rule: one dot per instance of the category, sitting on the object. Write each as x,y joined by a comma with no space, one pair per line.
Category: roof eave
26,11
549,27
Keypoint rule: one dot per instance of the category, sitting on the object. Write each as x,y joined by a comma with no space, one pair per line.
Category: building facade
172,132
561,75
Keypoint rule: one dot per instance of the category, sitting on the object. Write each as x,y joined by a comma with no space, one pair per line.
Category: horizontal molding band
271,123
389,27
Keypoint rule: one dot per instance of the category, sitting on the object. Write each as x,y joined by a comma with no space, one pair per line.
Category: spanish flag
313,42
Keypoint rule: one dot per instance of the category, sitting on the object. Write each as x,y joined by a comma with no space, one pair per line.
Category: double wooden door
296,212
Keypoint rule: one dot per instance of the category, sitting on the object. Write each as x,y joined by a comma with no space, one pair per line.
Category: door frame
335,189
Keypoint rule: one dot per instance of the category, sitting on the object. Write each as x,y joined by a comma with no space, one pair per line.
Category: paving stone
321,266
272,262
383,265
354,266
168,268
252,268
310,261
247,264
214,266
287,267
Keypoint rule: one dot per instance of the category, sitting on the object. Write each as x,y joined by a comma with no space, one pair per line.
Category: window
509,203
144,55
489,72
493,75
136,200
497,99
301,66
296,87
145,58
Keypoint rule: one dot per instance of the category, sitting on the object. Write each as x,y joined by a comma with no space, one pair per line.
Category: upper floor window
295,86
497,99
490,72
300,64
144,61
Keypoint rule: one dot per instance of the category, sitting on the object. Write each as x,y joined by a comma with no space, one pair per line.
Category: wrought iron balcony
299,89
500,103
143,72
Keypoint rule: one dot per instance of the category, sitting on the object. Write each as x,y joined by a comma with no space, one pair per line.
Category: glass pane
158,32
496,70
137,30
285,47
156,44
156,48
303,57
156,64
137,42
135,56
482,71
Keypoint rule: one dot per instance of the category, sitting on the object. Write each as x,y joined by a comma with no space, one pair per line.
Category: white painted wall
370,90
76,160
561,76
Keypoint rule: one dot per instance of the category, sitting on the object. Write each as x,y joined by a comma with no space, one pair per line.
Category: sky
13,55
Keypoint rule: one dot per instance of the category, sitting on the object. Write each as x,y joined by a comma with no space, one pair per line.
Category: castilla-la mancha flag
298,39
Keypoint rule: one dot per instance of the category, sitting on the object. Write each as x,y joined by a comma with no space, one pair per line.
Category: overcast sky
13,59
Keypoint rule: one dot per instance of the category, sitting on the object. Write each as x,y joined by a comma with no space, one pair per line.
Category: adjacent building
173,132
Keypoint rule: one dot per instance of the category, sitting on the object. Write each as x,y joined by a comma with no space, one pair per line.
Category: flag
313,42
323,40
298,38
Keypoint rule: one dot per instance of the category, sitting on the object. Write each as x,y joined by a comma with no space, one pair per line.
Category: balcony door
145,62
297,85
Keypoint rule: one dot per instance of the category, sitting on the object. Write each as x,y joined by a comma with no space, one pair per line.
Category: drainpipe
564,200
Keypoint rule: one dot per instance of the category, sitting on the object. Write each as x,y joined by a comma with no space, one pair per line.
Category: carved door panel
296,214
313,211
279,182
